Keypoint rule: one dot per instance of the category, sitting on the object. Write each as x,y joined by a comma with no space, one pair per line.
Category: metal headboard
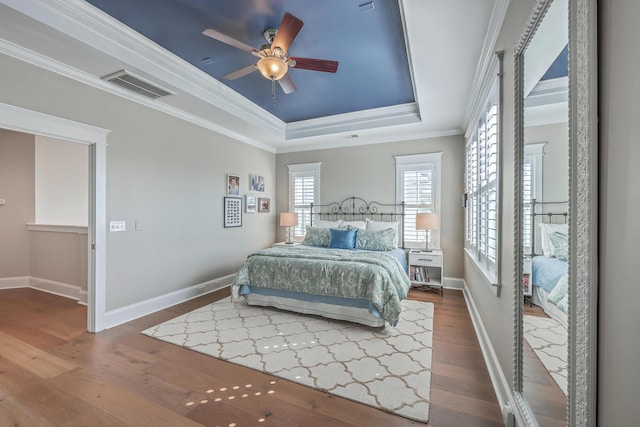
538,210
356,208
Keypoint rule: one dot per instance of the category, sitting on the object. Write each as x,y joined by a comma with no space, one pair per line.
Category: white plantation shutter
418,186
532,189
304,189
481,181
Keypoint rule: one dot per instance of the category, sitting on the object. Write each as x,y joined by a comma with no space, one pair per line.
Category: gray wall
17,187
555,177
164,172
368,171
618,317
497,311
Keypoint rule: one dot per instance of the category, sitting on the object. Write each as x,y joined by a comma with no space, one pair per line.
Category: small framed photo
233,184
232,212
250,204
264,205
256,183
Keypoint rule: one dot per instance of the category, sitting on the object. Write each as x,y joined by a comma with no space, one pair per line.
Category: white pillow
545,232
385,225
357,224
326,224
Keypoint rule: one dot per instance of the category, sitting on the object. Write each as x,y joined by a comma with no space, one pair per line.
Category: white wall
368,171
163,172
555,176
62,182
618,314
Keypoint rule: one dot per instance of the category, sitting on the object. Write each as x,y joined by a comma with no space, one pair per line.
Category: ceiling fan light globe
272,68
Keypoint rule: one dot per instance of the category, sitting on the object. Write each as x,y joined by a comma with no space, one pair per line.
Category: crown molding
18,52
358,120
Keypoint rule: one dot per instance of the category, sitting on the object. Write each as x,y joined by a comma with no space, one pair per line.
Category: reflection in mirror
541,392
545,218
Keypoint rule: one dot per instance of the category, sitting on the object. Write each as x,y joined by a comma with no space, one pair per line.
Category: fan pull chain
273,89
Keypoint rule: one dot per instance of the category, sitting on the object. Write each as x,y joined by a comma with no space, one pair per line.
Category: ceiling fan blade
228,40
288,30
287,84
241,72
324,65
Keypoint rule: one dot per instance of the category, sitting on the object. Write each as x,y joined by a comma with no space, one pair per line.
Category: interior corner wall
619,204
368,171
164,174
17,171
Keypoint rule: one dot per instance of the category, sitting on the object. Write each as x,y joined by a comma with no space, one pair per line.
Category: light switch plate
117,226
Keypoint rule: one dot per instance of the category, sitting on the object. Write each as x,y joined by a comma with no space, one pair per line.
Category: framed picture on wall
264,205
250,204
233,184
256,183
232,212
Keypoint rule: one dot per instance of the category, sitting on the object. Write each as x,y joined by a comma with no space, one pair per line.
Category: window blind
304,184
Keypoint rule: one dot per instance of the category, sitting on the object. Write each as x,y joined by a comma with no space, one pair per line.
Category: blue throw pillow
342,239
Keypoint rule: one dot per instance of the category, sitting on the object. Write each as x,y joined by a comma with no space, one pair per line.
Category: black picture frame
232,212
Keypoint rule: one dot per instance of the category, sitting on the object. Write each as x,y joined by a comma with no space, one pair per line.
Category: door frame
37,123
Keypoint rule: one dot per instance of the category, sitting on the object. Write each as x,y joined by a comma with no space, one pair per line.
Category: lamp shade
288,219
272,67
427,221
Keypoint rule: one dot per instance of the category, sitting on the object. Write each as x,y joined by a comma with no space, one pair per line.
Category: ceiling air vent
129,81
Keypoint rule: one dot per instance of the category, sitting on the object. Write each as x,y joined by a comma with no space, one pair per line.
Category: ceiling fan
273,62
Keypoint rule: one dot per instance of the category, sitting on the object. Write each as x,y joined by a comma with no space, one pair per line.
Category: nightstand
526,280
285,244
426,270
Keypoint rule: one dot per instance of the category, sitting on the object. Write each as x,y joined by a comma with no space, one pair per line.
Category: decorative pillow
320,223
362,225
545,232
342,239
386,225
370,240
560,244
316,237
560,295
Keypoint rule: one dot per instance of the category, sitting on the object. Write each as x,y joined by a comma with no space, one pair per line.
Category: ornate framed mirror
557,222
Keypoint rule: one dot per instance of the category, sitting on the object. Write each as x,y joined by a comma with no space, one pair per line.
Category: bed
549,256
351,266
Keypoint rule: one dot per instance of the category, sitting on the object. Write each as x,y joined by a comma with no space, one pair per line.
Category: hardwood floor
52,372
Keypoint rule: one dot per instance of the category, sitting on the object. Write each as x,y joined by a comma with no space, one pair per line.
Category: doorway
33,122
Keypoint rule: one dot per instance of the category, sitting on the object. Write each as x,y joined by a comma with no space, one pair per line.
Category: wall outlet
117,226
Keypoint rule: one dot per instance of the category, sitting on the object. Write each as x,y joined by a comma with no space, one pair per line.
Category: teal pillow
316,237
342,239
381,240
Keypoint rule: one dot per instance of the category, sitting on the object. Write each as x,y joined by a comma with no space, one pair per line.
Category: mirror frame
583,220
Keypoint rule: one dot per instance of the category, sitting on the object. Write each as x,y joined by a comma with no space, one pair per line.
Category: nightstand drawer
426,260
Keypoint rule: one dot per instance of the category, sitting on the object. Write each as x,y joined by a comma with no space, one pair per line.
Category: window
304,189
481,182
418,186
532,188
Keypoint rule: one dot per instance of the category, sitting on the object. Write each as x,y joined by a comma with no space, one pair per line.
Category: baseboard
14,282
45,285
453,283
501,386
134,311
56,288
83,297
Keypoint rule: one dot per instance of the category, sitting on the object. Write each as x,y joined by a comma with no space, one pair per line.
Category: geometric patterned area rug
548,339
388,368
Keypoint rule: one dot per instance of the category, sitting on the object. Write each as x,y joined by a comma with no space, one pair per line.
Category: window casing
304,189
532,189
481,186
418,186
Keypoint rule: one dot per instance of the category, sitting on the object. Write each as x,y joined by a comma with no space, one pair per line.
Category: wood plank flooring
54,373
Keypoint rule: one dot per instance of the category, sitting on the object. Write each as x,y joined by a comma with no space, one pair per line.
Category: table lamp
427,221
288,219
